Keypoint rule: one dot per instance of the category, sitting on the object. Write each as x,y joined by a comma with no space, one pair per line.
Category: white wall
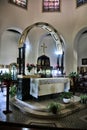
68,22
82,49
9,48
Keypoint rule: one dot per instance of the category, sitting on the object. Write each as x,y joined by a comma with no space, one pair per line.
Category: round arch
77,37
59,42
7,37
49,28
76,41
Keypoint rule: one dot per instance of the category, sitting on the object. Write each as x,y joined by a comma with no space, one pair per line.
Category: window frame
52,9
24,6
80,3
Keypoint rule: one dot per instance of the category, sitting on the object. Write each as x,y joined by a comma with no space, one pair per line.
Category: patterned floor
71,121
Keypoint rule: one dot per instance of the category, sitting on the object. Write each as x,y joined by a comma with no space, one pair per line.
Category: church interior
42,57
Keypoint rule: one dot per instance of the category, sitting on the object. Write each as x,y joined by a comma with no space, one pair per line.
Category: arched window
51,5
80,2
20,3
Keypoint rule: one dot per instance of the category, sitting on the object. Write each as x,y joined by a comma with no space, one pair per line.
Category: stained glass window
51,5
80,2
21,3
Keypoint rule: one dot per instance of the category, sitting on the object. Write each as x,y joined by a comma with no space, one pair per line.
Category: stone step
67,110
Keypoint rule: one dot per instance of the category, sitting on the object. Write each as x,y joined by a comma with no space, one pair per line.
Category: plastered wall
68,22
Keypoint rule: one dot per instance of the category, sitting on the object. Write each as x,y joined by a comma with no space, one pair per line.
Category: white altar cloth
46,86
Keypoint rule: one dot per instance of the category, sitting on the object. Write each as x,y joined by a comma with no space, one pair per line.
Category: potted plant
54,107
73,74
66,96
83,98
5,77
73,79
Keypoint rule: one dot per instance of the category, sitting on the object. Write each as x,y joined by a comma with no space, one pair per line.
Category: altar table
46,86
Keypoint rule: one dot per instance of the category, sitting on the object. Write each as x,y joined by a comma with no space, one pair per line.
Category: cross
43,46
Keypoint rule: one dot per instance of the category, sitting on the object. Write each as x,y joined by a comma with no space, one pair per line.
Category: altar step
40,110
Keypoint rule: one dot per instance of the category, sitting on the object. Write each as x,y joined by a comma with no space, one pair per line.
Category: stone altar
46,86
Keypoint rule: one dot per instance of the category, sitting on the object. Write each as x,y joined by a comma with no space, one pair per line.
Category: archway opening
80,50
51,32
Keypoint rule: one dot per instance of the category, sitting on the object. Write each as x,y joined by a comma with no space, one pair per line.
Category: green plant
73,74
12,90
66,95
83,98
54,107
5,76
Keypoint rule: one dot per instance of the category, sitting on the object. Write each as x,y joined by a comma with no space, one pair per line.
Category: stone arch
9,37
59,42
49,28
76,42
78,35
14,29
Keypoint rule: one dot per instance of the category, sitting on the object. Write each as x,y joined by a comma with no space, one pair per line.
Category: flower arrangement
30,66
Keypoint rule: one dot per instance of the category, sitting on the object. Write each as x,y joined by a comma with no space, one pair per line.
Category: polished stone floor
75,120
